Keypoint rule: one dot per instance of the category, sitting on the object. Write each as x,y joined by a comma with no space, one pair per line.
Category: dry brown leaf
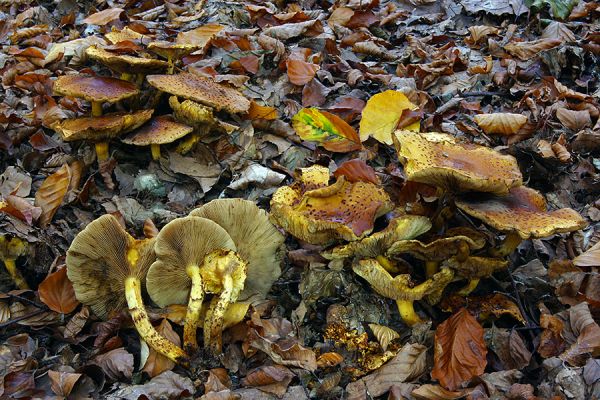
156,363
460,351
20,208
384,335
357,170
56,291
544,148
483,69
117,364
150,230
590,258
62,382
51,193
436,392
479,33
558,30
104,17
340,16
500,123
587,332
574,120
300,72
551,341
528,50
257,111
272,379
561,152
288,31
330,359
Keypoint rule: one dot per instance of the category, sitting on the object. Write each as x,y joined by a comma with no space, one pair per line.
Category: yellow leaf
501,123
381,116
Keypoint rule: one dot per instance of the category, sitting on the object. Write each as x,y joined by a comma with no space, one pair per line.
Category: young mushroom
522,214
10,250
400,287
101,129
160,130
175,277
107,267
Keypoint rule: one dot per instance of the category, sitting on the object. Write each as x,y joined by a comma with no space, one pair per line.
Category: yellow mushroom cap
116,36
201,89
256,240
179,244
474,267
94,88
99,260
440,160
160,130
101,128
343,210
401,228
172,50
437,250
126,63
523,210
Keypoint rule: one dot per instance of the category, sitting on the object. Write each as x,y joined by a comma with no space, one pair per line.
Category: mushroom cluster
211,252
129,55
477,180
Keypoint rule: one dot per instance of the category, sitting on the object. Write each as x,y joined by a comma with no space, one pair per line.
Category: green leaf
560,8
326,129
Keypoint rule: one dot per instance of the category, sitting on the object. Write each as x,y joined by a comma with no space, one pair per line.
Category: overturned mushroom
400,287
440,160
522,214
318,213
175,277
160,130
108,268
10,250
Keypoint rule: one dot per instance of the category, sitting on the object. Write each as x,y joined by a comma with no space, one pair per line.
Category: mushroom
115,36
202,90
400,287
107,267
160,130
181,248
172,52
125,64
522,214
101,129
256,240
96,90
474,269
440,160
10,250
318,213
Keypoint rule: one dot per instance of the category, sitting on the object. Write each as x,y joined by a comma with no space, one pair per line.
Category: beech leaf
384,335
500,123
357,170
56,291
327,129
156,363
301,72
104,17
382,114
460,351
50,195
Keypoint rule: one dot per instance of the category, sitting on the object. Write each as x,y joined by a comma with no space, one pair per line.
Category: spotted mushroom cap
160,130
126,63
318,213
257,241
440,160
179,244
101,128
94,88
523,210
99,261
201,89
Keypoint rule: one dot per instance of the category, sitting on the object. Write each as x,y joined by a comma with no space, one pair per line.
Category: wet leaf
51,193
56,291
460,351
326,129
382,115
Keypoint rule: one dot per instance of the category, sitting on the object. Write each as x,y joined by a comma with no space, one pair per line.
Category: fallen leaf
257,111
528,50
62,382
104,17
587,332
20,208
14,182
560,8
156,363
590,258
460,352
329,359
357,170
326,129
384,335
258,175
117,364
382,114
51,193
500,123
574,120
167,385
436,392
56,291
289,31
272,379
300,72
551,342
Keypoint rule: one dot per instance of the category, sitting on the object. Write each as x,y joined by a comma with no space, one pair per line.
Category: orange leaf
327,129
104,17
156,363
257,111
301,72
460,350
56,291
357,170
50,195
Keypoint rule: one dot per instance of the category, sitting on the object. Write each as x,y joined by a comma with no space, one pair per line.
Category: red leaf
56,291
300,72
357,170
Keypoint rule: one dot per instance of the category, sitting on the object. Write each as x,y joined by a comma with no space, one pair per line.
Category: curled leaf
50,195
326,129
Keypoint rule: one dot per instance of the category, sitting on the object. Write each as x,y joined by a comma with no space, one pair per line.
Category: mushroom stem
127,76
14,273
139,80
171,67
188,143
431,268
155,149
96,108
194,307
508,245
407,312
469,287
102,151
133,294
213,324
387,264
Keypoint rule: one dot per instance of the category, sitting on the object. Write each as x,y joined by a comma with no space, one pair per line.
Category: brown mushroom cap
475,267
94,88
201,89
257,241
103,127
160,130
126,63
179,244
98,264
437,250
116,36
523,210
327,213
440,160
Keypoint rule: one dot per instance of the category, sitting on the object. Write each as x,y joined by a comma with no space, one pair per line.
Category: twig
21,318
